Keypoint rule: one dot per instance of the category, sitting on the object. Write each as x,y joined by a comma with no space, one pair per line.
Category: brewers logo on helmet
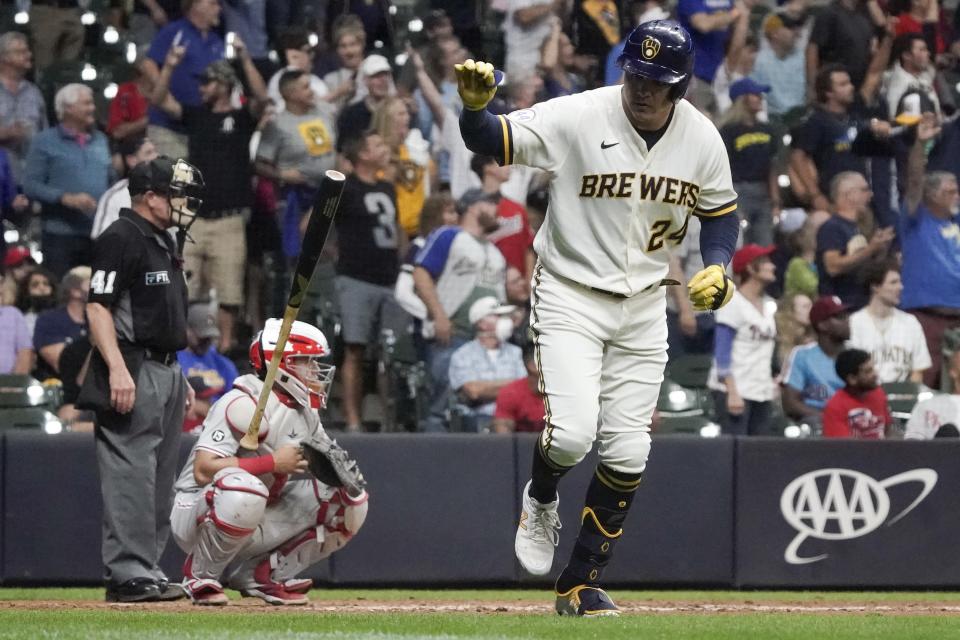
650,47
660,50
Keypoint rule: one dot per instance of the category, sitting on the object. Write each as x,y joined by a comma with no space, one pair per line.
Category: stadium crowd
839,119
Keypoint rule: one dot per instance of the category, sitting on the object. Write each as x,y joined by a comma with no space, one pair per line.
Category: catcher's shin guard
236,502
608,501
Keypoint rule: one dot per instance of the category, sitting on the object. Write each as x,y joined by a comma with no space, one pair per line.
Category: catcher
254,522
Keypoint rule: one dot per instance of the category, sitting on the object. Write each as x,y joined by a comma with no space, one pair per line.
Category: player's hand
289,459
928,128
476,84
292,176
710,289
442,330
123,391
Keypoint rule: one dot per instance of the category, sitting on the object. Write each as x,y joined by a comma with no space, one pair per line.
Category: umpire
137,312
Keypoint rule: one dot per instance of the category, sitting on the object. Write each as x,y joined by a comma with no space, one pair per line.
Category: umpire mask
186,186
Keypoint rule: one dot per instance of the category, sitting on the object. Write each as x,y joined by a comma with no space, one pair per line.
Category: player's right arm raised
483,132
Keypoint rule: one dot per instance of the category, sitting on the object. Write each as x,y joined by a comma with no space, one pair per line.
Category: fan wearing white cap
481,367
377,76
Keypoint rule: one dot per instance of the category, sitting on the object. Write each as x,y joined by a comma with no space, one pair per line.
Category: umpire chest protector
140,278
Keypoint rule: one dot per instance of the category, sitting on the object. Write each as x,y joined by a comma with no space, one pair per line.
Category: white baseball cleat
538,534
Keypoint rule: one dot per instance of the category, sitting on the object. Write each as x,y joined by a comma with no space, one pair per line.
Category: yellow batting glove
710,289
476,83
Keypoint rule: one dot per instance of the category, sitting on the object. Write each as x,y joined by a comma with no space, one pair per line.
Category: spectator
858,410
209,373
375,16
148,16
193,34
369,241
793,324
35,294
23,111
485,365
247,19
842,250
410,164
514,237
298,54
709,24
436,28
834,137
752,146
216,130
781,64
297,147
525,27
843,33
134,150
349,40
893,338
16,347
17,262
740,54
943,409
921,17
809,377
562,76
67,169
911,72
517,287
57,31
456,267
802,275
930,241
520,406
595,27
56,328
11,202
742,373
640,11
375,73
128,116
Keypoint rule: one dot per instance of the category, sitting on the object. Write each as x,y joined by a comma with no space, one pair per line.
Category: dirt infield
537,607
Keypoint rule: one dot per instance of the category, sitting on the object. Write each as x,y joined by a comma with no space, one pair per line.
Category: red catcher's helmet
302,374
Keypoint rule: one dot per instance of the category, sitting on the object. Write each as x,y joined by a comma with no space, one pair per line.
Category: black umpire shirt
137,275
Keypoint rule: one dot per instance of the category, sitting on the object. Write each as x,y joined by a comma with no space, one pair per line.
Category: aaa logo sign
842,504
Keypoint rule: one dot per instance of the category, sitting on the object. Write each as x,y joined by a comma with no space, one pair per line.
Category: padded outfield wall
725,512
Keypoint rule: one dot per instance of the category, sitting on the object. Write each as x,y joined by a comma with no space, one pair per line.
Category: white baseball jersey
751,360
896,343
615,206
928,416
229,418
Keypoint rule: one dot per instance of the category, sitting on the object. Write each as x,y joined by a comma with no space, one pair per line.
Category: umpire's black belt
163,357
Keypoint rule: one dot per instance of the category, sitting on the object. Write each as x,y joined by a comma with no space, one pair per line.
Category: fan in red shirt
519,404
128,109
860,409
514,237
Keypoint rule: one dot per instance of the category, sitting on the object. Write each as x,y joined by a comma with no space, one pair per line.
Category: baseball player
250,518
628,165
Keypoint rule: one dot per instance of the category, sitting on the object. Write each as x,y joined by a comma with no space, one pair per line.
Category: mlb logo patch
157,278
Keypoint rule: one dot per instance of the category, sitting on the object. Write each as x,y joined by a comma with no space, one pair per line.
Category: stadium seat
902,396
676,401
690,370
688,425
25,403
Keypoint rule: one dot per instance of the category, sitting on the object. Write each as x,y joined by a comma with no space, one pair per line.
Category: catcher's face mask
315,375
186,186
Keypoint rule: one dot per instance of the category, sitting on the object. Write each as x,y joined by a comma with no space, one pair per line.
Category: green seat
687,425
690,370
18,391
902,397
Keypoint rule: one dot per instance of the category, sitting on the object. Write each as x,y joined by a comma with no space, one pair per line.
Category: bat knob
498,77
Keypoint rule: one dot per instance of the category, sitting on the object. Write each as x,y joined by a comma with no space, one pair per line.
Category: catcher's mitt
332,465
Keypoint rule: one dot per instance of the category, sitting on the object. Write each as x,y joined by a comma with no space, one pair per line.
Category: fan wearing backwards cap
137,312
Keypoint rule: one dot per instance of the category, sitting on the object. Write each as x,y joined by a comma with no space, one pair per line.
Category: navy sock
544,477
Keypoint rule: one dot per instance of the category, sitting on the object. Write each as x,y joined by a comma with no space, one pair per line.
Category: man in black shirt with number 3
137,311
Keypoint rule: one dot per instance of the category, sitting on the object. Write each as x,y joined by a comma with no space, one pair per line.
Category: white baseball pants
601,362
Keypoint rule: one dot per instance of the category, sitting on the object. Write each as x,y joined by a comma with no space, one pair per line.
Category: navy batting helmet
660,50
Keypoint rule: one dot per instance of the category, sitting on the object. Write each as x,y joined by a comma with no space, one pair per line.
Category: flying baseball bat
325,207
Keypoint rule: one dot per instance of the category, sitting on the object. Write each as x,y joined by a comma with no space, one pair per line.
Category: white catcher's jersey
229,417
615,206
